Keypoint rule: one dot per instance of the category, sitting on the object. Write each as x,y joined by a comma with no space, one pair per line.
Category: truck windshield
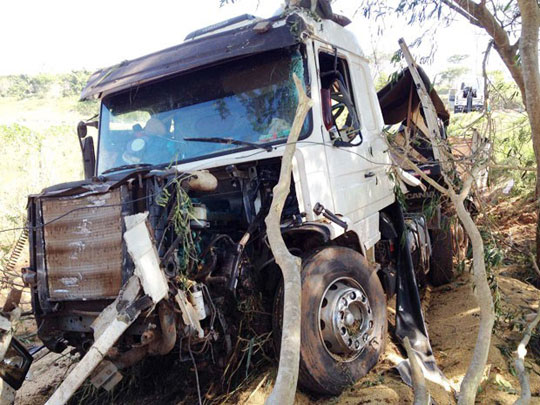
252,100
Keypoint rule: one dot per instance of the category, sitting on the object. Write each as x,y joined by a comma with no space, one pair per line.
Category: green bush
35,159
511,146
43,85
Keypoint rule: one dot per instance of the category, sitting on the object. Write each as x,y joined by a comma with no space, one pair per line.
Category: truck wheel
343,320
460,240
442,269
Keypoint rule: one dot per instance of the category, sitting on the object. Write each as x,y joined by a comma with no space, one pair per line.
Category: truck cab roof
233,39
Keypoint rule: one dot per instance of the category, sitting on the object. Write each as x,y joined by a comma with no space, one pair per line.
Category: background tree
513,27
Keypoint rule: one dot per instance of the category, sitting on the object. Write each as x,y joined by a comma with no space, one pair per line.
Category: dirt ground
452,319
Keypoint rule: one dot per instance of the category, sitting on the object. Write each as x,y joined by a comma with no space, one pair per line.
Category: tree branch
461,11
500,37
289,359
521,352
421,393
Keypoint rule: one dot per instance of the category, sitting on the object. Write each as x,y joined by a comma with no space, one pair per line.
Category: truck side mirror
89,157
15,364
82,130
87,148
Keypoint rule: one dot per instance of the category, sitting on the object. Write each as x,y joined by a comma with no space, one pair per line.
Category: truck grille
83,249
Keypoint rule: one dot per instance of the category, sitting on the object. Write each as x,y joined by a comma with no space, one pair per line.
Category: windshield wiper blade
230,141
125,167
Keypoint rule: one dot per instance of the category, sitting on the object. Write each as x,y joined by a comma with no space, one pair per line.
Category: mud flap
409,317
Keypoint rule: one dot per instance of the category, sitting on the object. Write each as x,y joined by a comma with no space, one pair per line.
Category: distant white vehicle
467,94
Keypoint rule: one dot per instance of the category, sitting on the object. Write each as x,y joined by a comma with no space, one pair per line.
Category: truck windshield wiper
230,141
125,167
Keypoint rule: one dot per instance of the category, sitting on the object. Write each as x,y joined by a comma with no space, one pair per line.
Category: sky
62,35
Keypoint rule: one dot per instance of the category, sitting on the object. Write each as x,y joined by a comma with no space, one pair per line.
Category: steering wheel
339,108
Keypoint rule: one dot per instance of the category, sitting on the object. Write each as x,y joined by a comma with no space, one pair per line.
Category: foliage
43,85
182,213
34,157
503,94
38,118
505,12
511,147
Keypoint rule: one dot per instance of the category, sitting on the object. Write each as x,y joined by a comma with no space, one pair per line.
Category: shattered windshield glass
250,100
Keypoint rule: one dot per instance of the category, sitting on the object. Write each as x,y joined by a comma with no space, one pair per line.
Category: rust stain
84,248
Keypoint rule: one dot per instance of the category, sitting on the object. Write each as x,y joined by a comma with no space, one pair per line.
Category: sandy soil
452,318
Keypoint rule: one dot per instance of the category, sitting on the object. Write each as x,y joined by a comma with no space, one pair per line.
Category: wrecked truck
192,137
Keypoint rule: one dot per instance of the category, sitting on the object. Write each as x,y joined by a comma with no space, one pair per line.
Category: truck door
352,124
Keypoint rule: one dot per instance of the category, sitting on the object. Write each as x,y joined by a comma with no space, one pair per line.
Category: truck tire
442,269
344,323
460,240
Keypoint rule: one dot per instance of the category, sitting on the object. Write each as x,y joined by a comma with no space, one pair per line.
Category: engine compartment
209,232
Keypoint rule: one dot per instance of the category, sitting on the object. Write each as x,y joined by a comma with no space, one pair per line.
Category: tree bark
528,49
473,377
421,393
289,358
525,396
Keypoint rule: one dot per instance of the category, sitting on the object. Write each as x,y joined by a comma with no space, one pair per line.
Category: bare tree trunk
421,393
525,397
289,357
528,49
472,379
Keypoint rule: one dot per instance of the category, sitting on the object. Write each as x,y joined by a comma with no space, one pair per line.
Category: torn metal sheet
394,98
409,316
145,256
108,337
83,248
190,315
117,317
5,336
7,394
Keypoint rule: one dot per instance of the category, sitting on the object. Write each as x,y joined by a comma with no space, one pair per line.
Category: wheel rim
345,319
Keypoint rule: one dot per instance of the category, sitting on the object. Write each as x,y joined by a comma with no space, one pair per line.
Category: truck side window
339,112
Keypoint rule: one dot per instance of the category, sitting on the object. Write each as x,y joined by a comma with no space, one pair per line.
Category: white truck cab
192,136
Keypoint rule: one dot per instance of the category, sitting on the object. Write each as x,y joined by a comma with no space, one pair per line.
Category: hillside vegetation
38,119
